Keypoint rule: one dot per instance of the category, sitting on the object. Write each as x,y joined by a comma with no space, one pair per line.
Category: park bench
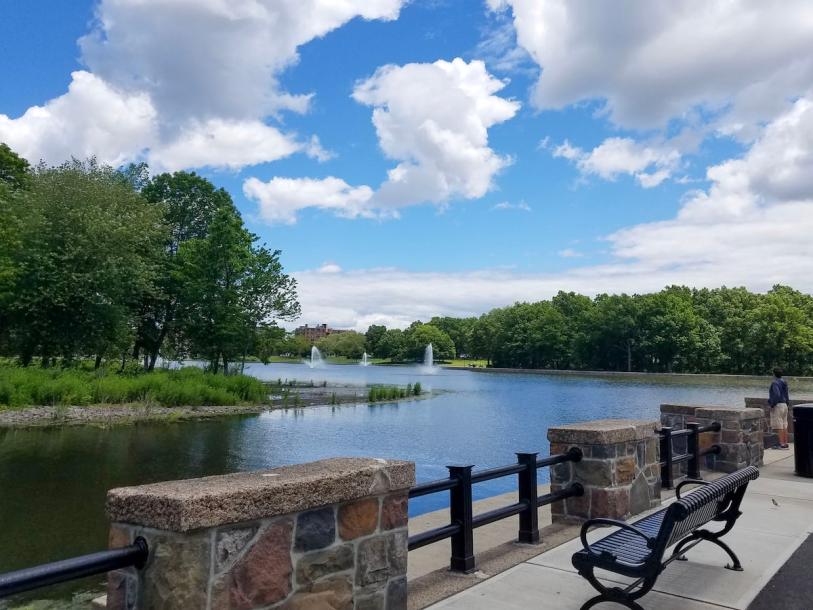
637,549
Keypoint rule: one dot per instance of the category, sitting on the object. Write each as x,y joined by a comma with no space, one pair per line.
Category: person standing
779,400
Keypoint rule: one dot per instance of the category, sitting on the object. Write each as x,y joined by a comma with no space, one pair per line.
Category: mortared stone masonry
329,535
619,469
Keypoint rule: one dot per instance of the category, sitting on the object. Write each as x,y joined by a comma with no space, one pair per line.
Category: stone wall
330,535
769,436
619,469
740,437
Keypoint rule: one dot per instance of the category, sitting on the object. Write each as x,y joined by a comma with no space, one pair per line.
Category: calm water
53,482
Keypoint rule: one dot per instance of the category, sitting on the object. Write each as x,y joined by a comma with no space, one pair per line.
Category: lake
53,481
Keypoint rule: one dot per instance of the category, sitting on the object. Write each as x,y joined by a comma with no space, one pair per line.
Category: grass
379,393
188,387
461,363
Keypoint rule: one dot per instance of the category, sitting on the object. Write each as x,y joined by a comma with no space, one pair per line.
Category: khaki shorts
779,416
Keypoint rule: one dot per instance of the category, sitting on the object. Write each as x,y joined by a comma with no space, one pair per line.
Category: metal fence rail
462,520
71,569
693,453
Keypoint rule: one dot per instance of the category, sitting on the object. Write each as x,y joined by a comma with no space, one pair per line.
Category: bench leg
735,564
625,597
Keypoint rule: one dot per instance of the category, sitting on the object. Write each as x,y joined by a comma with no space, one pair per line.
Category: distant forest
679,329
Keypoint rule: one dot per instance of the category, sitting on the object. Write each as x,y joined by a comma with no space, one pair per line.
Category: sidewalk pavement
765,537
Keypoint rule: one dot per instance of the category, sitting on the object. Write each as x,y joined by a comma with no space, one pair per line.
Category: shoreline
564,372
126,414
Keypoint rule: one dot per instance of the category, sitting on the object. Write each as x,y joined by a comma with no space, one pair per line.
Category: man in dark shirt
779,400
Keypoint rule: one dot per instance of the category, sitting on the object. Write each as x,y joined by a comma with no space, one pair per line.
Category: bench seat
637,549
628,547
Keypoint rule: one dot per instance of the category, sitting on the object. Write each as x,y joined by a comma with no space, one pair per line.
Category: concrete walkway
764,538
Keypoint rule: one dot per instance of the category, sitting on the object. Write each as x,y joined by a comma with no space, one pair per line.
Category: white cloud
649,164
220,143
214,58
442,147
505,205
653,61
434,119
752,227
570,253
186,79
91,118
280,199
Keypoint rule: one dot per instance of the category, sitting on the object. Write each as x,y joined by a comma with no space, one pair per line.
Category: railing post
528,518
693,446
460,509
666,457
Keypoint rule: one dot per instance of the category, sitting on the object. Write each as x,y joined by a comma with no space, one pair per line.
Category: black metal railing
693,453
71,569
462,520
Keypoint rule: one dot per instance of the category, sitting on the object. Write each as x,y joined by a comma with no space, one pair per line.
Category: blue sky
566,147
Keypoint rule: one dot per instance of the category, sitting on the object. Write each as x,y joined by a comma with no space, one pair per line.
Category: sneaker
785,446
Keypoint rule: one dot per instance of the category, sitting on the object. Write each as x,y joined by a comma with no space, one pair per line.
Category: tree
373,336
349,344
228,288
188,204
269,340
15,173
391,345
418,336
15,179
84,255
459,331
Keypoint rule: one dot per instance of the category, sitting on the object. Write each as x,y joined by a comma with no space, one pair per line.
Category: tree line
679,329
115,264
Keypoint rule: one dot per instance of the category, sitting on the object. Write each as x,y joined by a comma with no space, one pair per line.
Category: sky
444,157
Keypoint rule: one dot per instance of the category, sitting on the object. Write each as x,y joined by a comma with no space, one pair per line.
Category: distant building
314,333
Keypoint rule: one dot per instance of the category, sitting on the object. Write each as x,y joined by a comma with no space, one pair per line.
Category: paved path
764,538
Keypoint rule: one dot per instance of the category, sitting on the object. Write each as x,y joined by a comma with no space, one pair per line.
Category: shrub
191,386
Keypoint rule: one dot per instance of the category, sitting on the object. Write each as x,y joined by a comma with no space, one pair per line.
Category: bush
20,387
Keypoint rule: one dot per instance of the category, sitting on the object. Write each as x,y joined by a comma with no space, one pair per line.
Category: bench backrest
705,503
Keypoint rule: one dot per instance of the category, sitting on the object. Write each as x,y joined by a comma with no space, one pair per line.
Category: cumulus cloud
222,143
650,62
441,148
280,199
186,79
752,228
91,118
649,164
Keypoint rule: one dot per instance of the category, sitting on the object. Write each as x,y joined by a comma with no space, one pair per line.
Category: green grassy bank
23,387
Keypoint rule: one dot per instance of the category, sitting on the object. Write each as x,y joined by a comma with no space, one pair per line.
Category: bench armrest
612,522
688,482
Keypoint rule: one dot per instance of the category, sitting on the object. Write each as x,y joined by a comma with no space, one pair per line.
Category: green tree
188,204
373,337
15,173
391,345
349,344
228,288
83,255
269,340
418,336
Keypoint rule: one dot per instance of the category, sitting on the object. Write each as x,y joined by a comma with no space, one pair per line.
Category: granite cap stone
602,431
680,409
205,502
720,413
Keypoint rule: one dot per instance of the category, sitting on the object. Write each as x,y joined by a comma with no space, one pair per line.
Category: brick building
314,333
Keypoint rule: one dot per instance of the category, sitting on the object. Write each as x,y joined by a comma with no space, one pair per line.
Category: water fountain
428,367
364,360
316,360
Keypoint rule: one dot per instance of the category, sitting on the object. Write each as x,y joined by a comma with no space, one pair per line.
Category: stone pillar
740,437
770,438
619,470
330,535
